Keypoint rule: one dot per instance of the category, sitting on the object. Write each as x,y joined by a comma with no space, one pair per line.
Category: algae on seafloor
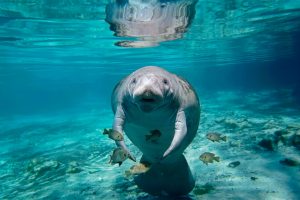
203,189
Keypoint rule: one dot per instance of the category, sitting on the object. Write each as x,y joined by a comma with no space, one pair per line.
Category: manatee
152,99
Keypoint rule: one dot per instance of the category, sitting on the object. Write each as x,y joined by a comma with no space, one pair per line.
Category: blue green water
59,63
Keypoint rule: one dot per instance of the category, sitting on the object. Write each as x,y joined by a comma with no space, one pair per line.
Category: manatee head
151,88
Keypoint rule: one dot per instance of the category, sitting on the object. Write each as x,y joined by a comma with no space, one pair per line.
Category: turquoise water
59,62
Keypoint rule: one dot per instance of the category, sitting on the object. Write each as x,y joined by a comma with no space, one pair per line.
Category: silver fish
216,137
153,136
137,169
113,134
119,156
208,157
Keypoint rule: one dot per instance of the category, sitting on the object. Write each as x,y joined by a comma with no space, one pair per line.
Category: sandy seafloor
64,156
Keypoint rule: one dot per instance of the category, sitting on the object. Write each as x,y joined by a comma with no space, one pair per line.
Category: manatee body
153,100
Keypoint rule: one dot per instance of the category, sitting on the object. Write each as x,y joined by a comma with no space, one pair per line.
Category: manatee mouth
147,100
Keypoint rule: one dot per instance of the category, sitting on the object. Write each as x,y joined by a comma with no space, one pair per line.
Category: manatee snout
147,99
147,94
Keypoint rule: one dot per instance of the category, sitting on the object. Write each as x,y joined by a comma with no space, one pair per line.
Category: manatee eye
165,81
133,80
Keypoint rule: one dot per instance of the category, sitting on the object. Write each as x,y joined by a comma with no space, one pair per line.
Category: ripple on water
49,42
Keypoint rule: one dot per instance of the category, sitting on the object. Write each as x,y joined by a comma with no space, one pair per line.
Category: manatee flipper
180,133
165,179
119,119
118,125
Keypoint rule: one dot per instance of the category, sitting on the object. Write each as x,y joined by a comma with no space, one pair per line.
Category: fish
118,156
113,134
137,169
208,157
216,137
153,136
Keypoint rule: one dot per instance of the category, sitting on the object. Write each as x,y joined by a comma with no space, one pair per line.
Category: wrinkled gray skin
153,99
